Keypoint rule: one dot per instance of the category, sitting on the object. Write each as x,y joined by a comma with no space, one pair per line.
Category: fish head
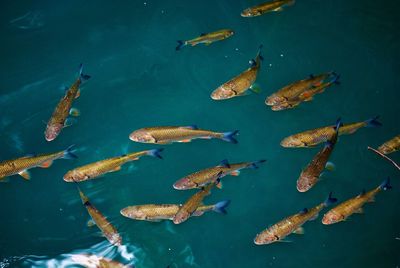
305,182
275,100
331,217
133,212
184,184
180,217
385,149
291,142
266,237
74,175
142,136
52,131
222,93
249,12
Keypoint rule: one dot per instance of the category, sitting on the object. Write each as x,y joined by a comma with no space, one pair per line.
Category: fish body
354,205
206,38
108,230
93,261
276,5
239,85
170,134
316,136
191,205
390,146
58,119
23,164
206,176
93,170
158,212
311,174
291,224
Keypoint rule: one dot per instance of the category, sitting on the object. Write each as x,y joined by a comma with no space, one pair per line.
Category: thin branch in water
384,156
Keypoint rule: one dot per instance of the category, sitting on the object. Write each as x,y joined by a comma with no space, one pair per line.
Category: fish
96,169
292,224
239,85
276,5
306,96
206,38
108,230
206,176
58,120
94,261
195,201
311,138
354,205
170,134
390,146
22,165
302,90
311,174
158,212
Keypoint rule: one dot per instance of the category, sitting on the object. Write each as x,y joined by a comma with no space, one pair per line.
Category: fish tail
180,45
330,200
373,122
83,77
335,78
221,206
230,136
385,185
155,152
259,56
254,165
69,153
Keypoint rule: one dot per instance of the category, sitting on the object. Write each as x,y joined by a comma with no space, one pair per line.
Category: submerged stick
384,156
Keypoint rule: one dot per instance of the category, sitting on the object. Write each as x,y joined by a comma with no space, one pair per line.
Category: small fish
206,38
108,230
93,170
239,85
206,176
302,90
154,212
354,205
170,134
276,5
195,201
59,118
390,146
311,174
22,165
93,261
291,224
316,136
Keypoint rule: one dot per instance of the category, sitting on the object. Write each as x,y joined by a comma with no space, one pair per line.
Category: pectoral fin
278,9
219,185
90,223
25,174
299,231
235,173
116,169
78,93
185,141
74,112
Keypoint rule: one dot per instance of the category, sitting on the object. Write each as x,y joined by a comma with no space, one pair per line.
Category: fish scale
390,146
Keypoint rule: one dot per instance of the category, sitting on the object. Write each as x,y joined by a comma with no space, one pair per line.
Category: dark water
139,80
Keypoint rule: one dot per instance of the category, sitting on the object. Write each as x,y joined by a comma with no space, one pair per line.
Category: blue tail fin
373,122
259,53
181,44
221,206
155,152
335,78
83,77
230,136
254,165
385,185
69,153
330,200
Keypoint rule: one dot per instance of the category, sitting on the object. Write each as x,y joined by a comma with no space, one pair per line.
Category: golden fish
22,165
99,168
316,136
93,261
302,90
354,205
276,5
58,120
206,38
238,85
108,230
311,174
206,176
170,134
154,212
291,224
390,146
191,205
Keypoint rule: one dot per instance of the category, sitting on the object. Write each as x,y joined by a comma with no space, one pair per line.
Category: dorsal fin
362,192
225,163
203,34
311,76
190,127
304,210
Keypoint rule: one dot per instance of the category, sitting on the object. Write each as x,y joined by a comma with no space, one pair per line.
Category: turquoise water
139,80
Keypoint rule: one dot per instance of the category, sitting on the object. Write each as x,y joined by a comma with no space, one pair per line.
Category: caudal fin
385,185
230,136
373,122
335,78
155,152
221,206
83,77
330,200
69,153
180,45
